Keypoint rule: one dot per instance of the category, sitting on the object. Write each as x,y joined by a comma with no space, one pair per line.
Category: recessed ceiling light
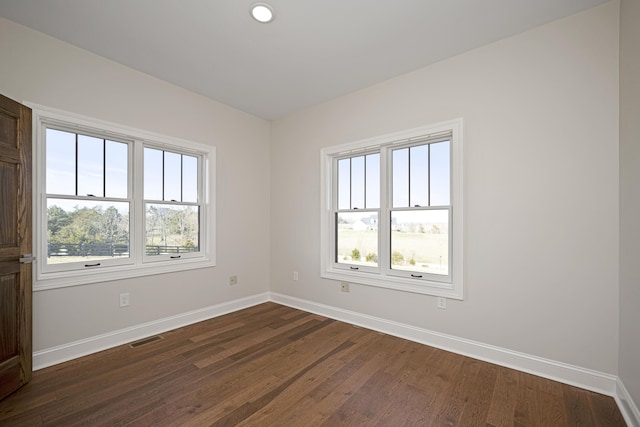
262,12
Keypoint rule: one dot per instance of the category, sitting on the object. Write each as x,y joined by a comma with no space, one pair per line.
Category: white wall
40,69
540,112
630,197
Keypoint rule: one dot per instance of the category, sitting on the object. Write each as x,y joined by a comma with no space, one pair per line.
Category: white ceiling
313,51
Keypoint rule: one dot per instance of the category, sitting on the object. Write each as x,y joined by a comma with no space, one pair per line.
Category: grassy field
68,259
423,252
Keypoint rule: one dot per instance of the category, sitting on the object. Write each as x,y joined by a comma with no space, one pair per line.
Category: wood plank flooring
271,365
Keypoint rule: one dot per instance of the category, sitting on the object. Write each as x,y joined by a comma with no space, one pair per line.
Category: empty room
299,213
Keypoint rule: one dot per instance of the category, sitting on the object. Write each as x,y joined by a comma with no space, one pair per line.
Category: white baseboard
629,410
63,353
573,375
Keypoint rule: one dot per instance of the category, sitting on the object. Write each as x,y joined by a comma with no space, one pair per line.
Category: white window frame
383,276
137,264
64,267
335,210
201,197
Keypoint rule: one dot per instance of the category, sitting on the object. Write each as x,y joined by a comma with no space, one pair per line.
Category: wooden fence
110,249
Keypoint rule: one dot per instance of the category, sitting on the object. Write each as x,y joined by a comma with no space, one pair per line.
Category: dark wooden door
15,245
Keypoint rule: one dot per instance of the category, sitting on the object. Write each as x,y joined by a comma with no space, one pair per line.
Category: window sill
400,284
55,280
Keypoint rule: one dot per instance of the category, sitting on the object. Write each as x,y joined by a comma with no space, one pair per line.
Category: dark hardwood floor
272,365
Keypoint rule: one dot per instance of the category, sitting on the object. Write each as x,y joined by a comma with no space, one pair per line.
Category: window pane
172,229
420,241
117,167
80,231
373,181
401,178
172,176
189,179
357,241
90,166
440,174
357,182
344,184
152,174
61,162
419,175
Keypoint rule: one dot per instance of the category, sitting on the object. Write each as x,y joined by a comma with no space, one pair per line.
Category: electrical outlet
344,286
295,275
233,280
442,303
124,300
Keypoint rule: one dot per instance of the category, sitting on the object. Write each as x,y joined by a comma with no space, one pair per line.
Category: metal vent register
146,341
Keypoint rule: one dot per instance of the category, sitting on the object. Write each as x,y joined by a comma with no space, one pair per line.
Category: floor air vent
145,341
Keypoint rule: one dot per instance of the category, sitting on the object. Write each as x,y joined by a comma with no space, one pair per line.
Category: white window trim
138,265
141,202
328,269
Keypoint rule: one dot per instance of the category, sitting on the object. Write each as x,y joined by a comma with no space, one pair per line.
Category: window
114,202
87,200
171,203
358,205
392,211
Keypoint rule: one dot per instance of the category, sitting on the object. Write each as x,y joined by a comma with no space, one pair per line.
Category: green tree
87,225
113,226
172,226
355,254
83,227
57,218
